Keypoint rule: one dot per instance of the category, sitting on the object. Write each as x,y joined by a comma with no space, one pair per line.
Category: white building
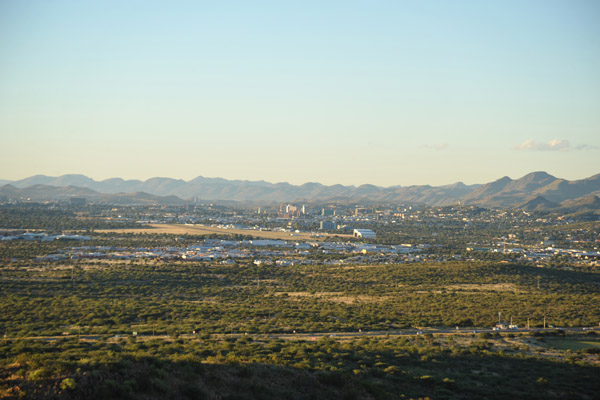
364,233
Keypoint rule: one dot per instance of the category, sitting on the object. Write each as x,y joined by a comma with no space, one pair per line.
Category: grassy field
573,344
180,229
109,296
248,332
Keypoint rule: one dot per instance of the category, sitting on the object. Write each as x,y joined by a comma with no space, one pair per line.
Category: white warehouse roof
364,233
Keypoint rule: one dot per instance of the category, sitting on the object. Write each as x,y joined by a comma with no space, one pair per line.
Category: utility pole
527,322
544,322
499,315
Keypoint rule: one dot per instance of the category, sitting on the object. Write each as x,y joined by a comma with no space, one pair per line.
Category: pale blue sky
351,92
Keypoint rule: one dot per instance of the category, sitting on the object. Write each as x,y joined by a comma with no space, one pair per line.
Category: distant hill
587,204
214,189
39,192
538,203
560,190
506,192
502,193
582,204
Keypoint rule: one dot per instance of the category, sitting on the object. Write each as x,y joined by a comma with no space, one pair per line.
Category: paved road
334,335
433,331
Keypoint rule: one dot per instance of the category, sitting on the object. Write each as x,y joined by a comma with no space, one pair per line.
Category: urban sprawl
330,234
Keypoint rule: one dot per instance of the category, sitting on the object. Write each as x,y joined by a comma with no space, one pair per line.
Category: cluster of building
38,236
543,254
284,253
291,211
262,251
456,232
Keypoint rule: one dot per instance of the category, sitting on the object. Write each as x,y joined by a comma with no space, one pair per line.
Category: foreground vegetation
155,329
95,297
244,367
203,331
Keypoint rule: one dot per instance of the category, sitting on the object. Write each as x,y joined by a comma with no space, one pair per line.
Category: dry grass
335,297
485,287
308,294
472,288
179,229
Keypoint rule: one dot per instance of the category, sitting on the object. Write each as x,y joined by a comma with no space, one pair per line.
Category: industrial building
364,233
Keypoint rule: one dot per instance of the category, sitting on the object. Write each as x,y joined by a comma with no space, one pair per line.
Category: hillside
40,192
538,203
582,204
502,193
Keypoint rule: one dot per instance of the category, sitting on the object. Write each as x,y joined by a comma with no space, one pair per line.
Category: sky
351,92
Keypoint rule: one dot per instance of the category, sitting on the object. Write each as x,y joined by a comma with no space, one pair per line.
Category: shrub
68,384
392,370
40,373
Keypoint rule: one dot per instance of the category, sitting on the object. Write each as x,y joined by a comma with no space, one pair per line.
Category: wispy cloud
553,145
586,147
441,146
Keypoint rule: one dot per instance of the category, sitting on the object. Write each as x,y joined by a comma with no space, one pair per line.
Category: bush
68,384
392,370
40,373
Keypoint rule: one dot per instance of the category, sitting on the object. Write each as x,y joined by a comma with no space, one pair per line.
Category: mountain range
534,191
40,192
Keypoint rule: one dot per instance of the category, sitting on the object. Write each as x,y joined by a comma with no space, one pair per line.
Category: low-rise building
364,233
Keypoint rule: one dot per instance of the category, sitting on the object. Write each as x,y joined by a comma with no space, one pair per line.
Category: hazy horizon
391,93
292,183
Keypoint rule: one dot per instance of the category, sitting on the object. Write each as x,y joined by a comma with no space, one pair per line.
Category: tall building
327,226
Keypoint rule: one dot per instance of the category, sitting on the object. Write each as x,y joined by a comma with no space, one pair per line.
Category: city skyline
393,93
